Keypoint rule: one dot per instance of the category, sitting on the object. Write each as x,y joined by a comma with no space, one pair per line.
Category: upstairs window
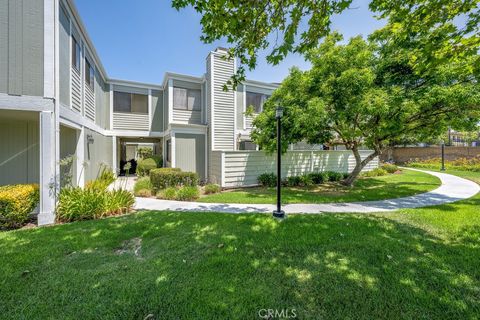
130,102
75,54
89,74
256,100
187,99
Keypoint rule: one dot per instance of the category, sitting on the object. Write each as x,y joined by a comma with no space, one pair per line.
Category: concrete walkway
452,189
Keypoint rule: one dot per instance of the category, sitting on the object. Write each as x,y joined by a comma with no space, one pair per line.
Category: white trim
114,155
71,116
234,108
70,103
262,85
191,130
135,84
212,101
49,48
206,157
135,133
26,103
177,76
244,107
172,149
222,169
80,157
170,101
47,168
150,115
111,106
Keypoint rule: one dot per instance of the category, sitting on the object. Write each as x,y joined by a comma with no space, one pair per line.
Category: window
247,145
256,100
89,74
130,102
75,54
169,150
187,99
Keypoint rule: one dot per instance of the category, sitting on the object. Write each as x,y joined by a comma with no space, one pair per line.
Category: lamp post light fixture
278,115
443,156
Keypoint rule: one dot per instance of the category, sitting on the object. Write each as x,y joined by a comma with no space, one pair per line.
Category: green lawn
386,187
414,264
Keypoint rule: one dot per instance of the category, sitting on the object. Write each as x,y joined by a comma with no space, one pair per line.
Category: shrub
267,179
187,193
212,188
306,180
83,204
145,193
293,181
463,164
105,177
319,177
142,183
389,167
117,202
158,160
166,177
16,203
144,166
377,172
145,152
335,176
169,193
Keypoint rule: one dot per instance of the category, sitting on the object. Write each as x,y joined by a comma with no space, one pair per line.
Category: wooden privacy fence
241,168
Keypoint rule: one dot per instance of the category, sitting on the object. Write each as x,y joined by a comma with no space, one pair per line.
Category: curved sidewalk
453,189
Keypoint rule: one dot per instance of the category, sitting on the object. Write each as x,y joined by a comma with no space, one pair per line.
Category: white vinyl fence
241,168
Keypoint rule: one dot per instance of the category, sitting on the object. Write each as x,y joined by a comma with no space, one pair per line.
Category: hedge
172,177
144,166
16,204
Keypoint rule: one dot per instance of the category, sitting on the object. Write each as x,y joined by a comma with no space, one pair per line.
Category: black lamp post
443,156
279,213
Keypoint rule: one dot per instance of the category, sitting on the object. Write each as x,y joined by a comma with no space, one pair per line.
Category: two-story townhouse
56,100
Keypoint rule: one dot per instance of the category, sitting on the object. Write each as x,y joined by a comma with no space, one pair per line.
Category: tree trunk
359,165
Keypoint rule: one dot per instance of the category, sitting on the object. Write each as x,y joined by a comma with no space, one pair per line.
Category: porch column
48,181
80,169
114,156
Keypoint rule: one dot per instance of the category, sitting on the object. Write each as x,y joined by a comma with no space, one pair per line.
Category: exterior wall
20,151
102,102
190,153
215,167
64,57
241,168
222,108
402,155
22,47
97,153
130,121
239,96
157,111
187,116
68,147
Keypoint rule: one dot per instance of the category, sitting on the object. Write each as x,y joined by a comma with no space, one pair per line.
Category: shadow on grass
206,266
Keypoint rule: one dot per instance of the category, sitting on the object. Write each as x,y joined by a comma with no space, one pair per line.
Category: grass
413,264
378,188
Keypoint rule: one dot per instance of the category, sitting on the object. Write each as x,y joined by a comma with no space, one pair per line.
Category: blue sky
141,40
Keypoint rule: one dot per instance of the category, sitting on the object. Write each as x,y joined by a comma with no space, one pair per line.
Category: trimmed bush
16,203
144,166
463,164
293,181
377,172
212,188
158,160
390,168
188,193
267,179
306,181
84,204
145,193
319,177
142,183
169,193
167,177
335,176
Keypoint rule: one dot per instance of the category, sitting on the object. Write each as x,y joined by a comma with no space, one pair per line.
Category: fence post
311,161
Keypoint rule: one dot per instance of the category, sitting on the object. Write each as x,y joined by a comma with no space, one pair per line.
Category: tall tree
353,97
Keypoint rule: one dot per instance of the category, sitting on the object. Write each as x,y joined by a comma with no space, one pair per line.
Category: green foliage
105,177
84,204
145,152
187,193
158,160
377,172
319,177
16,204
463,164
142,183
390,168
292,181
172,177
145,193
169,193
212,188
144,166
335,176
267,179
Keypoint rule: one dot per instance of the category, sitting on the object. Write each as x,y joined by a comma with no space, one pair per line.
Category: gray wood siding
130,121
215,167
21,47
20,152
223,105
102,102
89,103
97,153
157,111
76,90
190,153
243,167
187,116
64,58
68,147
